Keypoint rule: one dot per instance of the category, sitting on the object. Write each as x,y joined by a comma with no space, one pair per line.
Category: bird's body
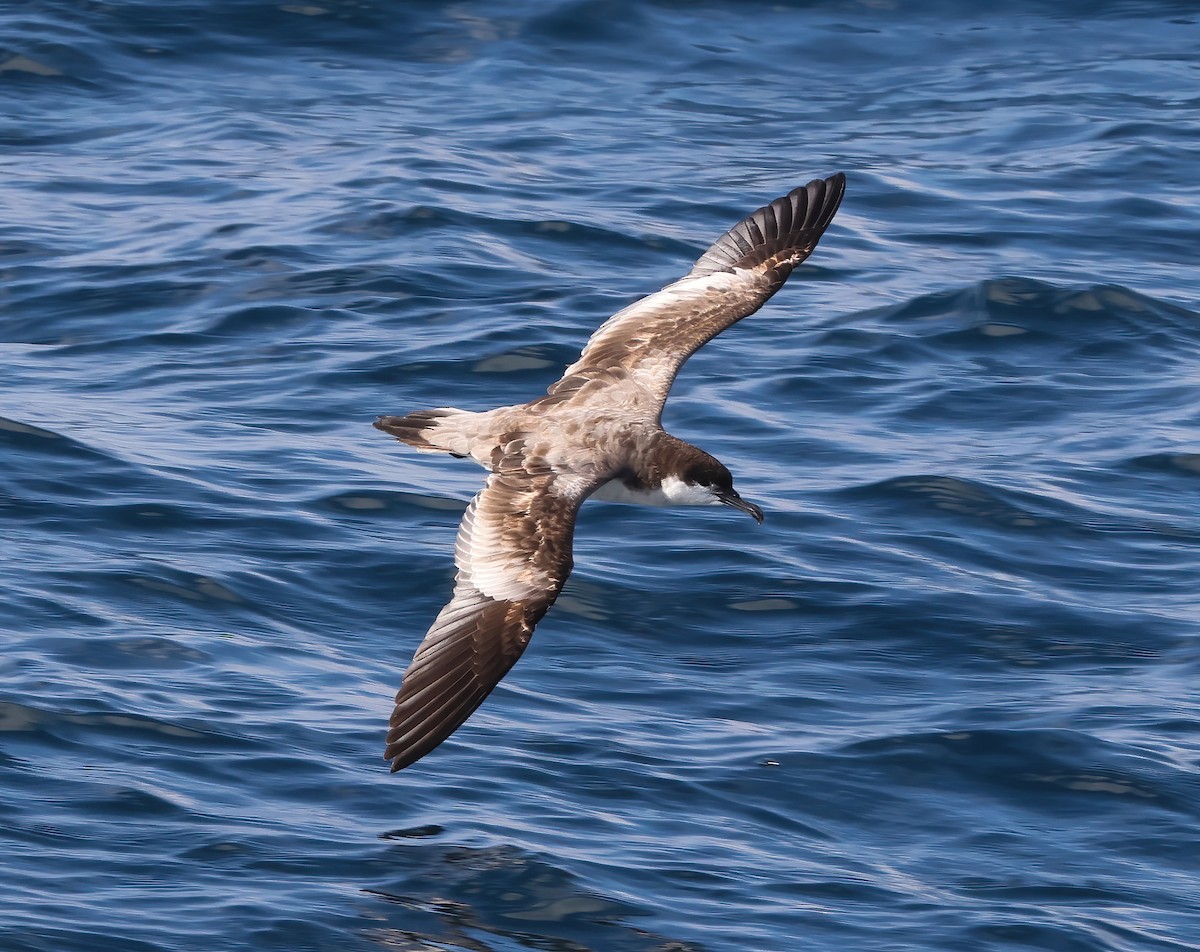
596,433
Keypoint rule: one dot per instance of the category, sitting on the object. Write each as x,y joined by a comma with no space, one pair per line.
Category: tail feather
429,431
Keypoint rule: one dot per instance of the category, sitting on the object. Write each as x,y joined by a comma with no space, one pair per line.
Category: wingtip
824,195
837,179
403,755
835,184
778,236
400,757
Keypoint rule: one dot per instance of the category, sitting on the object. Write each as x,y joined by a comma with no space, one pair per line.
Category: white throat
672,492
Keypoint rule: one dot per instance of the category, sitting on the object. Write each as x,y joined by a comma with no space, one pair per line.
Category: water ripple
942,699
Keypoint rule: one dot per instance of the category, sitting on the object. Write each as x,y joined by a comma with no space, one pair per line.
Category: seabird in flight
597,432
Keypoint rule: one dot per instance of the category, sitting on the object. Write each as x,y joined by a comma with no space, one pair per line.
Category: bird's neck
651,475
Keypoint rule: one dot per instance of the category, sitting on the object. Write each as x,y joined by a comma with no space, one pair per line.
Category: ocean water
945,698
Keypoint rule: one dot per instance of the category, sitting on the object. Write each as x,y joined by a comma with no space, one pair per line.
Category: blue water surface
945,698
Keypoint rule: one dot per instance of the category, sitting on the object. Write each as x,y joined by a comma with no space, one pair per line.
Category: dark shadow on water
499,898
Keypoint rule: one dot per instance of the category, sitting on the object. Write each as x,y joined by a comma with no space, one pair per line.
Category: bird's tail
431,431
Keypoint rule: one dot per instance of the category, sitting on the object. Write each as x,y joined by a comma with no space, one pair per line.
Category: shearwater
597,432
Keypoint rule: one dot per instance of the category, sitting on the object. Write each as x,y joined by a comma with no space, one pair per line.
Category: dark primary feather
778,236
476,641
514,542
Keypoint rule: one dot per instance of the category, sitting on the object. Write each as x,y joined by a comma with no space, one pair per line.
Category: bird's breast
619,490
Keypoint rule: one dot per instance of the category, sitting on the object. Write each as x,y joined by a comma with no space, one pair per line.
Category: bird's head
706,482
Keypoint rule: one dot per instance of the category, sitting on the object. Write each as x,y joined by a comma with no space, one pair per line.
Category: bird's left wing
513,554
648,341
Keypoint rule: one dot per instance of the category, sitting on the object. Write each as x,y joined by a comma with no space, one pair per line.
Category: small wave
1015,311
1032,762
1177,464
964,497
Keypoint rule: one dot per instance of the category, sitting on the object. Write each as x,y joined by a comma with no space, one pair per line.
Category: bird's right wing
513,554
